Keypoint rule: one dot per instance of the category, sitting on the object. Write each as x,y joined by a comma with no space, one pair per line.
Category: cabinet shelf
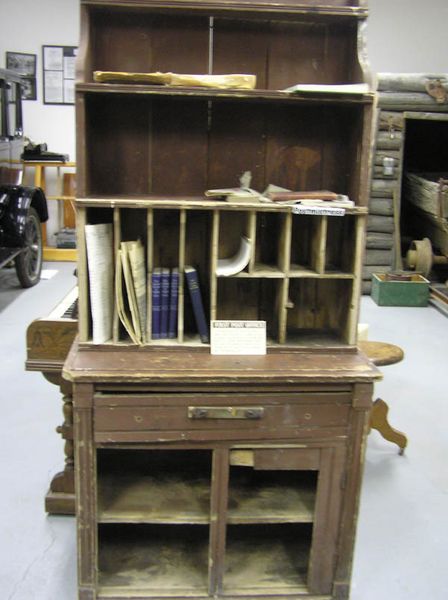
140,560
154,486
156,499
159,201
270,497
174,500
271,559
328,96
296,264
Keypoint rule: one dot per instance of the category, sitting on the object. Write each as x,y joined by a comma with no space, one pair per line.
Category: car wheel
29,261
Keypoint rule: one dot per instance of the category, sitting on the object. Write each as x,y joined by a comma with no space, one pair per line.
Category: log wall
397,95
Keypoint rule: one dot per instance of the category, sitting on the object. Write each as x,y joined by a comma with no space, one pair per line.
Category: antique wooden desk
202,476
199,475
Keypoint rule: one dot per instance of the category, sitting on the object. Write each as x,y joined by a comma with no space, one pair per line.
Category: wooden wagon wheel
420,257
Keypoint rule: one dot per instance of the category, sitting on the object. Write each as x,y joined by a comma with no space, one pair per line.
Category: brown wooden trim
85,489
218,516
330,9
326,526
362,395
287,435
350,498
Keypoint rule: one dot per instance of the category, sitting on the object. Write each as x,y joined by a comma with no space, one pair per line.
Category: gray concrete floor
402,539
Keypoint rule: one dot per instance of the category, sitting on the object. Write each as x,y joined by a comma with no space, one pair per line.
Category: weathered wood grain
381,241
408,82
381,207
380,224
378,257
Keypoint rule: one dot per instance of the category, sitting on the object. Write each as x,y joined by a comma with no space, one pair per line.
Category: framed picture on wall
58,64
24,64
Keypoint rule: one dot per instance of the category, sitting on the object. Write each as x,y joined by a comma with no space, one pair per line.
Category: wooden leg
60,499
378,421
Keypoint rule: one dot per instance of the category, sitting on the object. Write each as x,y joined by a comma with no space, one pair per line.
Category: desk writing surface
136,365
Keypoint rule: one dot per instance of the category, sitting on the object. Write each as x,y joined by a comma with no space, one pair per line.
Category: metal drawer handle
225,412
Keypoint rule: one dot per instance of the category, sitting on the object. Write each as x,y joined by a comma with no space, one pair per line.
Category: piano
48,341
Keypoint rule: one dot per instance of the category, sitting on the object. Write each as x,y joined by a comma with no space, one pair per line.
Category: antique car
22,208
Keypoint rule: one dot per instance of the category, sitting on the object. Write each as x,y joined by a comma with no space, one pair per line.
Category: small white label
238,337
330,211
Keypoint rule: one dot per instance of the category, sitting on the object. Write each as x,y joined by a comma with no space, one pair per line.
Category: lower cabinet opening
267,559
159,560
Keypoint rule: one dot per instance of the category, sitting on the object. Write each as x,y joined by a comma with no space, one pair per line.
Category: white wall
408,36
27,25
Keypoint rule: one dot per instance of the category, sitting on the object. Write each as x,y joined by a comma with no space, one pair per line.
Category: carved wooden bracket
436,89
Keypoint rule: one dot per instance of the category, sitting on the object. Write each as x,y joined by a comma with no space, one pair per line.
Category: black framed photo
25,65
29,91
58,64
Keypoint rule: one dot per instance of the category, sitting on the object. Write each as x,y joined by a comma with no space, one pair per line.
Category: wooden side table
382,354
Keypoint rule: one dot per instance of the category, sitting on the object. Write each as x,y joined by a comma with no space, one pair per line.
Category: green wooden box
386,292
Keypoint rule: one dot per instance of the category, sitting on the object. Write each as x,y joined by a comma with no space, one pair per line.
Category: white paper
69,91
53,59
100,267
238,337
69,67
231,266
54,86
344,88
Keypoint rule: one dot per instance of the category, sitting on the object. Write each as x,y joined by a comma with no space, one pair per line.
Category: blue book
196,300
164,303
156,282
174,297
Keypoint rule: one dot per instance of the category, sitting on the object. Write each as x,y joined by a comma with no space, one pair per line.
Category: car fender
15,202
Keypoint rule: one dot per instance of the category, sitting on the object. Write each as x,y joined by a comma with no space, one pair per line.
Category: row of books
123,277
165,297
165,300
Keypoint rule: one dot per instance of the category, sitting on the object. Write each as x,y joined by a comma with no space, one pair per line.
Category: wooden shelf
159,201
138,560
162,498
272,559
268,503
294,267
175,500
257,95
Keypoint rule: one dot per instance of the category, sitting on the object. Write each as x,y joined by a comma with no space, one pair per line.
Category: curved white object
235,264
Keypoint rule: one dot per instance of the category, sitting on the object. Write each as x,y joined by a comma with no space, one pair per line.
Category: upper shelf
191,203
331,95
330,8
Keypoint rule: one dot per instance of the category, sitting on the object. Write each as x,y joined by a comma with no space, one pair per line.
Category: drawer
217,413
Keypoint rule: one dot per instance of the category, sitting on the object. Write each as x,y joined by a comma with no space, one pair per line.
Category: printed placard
238,337
329,211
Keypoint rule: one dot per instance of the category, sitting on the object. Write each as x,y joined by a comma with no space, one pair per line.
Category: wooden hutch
223,476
